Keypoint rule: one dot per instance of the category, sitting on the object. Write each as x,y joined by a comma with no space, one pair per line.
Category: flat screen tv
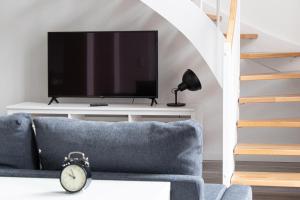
120,64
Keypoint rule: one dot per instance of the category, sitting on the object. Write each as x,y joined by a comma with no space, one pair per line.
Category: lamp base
176,104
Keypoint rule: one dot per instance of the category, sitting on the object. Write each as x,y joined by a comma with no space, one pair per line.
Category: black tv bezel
106,96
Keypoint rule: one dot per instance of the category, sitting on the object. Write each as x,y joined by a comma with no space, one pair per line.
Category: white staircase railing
221,54
231,90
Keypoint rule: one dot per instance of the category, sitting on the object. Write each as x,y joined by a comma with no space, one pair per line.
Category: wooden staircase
273,99
249,36
268,149
271,179
269,55
253,178
277,76
213,17
276,123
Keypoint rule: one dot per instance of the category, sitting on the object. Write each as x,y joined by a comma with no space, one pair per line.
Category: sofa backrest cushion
131,147
17,142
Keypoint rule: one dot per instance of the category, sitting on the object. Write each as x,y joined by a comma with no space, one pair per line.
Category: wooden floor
213,174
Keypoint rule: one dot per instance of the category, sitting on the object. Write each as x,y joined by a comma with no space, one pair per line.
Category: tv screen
103,64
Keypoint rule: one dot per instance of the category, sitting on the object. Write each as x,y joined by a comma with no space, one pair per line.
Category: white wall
23,53
275,17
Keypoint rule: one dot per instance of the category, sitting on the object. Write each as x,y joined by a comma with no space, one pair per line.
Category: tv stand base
110,113
53,99
153,101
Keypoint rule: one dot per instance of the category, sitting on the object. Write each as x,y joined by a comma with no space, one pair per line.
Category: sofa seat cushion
137,147
214,191
18,148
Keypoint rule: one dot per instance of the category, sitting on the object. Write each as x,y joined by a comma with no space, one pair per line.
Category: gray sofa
147,151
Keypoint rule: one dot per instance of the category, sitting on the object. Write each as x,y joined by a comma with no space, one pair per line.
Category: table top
36,189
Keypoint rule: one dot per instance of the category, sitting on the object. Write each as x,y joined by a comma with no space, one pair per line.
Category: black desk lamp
189,81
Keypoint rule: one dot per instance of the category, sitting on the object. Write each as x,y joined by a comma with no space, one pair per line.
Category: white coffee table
40,189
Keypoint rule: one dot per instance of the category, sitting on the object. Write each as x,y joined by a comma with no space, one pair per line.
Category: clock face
73,178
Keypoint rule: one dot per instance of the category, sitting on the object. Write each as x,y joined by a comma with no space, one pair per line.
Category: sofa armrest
185,187
238,192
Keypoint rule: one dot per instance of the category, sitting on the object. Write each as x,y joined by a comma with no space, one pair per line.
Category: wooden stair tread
249,36
276,123
269,55
268,149
270,99
270,76
271,179
213,17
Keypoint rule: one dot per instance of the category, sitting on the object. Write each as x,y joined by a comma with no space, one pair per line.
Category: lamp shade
190,81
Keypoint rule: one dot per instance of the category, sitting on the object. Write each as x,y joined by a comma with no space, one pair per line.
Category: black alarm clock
76,173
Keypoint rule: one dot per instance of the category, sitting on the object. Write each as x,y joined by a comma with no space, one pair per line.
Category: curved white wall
189,19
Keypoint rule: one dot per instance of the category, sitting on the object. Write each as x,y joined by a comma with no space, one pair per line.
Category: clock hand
72,172
72,176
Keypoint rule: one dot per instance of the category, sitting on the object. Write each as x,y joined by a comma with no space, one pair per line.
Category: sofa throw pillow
129,147
17,142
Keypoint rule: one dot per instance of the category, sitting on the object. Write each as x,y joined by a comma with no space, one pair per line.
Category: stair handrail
232,21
